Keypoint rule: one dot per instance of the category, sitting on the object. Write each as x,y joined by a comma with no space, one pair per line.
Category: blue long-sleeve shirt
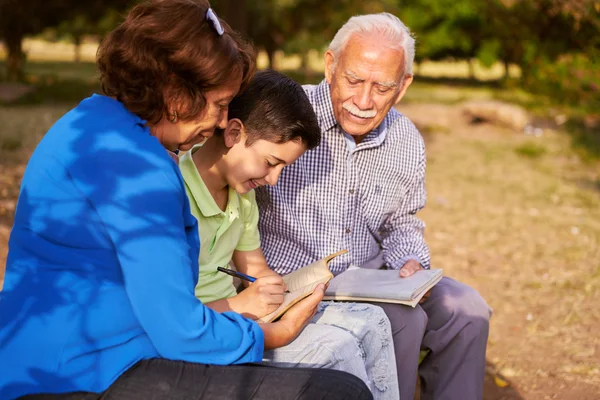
102,262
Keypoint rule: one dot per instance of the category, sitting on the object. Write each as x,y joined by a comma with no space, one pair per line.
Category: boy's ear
233,132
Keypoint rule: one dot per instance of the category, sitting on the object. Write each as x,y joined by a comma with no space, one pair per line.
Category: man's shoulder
399,125
310,91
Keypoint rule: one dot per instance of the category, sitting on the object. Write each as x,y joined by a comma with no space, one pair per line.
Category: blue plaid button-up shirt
341,195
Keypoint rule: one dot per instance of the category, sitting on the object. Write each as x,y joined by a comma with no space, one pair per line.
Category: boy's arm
248,257
266,293
252,263
261,297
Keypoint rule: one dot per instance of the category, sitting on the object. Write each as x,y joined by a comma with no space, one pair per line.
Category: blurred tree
296,26
93,21
19,18
234,12
446,29
22,17
523,32
533,32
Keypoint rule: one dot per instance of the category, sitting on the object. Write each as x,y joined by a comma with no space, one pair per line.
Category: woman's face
183,135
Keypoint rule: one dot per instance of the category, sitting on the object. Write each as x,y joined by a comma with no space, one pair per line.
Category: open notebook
383,286
302,283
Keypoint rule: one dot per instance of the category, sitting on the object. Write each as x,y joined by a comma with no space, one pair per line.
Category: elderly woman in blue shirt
102,263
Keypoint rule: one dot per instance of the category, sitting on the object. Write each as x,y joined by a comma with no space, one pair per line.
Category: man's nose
363,98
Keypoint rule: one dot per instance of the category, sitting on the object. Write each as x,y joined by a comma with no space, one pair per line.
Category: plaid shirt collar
323,107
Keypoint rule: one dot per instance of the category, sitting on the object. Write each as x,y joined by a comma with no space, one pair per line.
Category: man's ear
406,81
329,65
233,133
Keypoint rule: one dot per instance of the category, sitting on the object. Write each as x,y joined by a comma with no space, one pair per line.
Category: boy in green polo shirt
220,177
270,125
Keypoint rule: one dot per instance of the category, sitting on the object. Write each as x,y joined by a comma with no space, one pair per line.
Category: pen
239,275
236,274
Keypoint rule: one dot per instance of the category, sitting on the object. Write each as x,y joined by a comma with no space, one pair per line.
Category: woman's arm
140,199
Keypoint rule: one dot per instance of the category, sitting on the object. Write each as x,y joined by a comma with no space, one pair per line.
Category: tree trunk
77,47
14,63
270,49
506,69
527,69
471,69
304,66
234,12
271,55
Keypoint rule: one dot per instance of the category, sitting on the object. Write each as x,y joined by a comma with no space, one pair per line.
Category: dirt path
512,216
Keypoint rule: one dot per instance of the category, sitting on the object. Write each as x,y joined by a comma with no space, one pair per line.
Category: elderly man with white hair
360,190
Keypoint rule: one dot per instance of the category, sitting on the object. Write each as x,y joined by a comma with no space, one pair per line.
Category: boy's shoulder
247,200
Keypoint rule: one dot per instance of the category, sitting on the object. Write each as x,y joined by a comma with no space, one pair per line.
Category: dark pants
453,324
164,379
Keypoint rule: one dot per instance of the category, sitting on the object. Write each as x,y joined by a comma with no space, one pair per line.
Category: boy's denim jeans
351,337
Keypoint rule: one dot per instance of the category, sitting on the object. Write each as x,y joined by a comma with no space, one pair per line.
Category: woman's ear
233,133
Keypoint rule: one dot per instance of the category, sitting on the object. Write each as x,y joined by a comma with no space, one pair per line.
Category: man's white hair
389,26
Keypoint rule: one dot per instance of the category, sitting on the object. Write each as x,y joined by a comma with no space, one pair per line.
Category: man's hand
409,268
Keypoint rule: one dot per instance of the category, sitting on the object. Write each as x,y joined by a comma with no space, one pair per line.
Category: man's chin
353,129
356,126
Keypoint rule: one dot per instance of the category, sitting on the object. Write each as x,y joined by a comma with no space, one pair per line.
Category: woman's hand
262,297
290,325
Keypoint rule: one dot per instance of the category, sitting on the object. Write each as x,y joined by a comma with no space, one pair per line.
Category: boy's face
259,164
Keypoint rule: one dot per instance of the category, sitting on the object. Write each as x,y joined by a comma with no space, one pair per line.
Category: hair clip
212,17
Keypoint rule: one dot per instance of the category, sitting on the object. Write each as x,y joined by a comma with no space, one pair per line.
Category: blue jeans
350,337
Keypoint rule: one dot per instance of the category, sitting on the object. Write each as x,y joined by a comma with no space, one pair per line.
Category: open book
383,286
302,283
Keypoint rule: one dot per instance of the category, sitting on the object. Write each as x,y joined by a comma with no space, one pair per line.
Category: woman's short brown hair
166,52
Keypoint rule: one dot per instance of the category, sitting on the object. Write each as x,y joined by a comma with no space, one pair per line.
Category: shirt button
351,191
347,230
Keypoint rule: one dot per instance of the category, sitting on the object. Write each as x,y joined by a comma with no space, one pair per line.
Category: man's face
365,81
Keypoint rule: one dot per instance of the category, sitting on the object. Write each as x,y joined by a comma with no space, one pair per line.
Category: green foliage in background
295,26
555,43
32,17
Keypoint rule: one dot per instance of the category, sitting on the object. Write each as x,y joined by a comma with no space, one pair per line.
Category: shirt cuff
256,352
398,264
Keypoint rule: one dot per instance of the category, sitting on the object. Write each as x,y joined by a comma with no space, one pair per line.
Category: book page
307,275
302,283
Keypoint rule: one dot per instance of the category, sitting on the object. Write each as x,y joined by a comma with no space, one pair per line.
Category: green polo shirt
221,232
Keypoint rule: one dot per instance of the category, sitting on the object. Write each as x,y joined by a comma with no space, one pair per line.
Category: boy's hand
296,318
282,332
262,297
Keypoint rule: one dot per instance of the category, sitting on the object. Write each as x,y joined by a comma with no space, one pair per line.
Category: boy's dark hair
165,52
275,108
